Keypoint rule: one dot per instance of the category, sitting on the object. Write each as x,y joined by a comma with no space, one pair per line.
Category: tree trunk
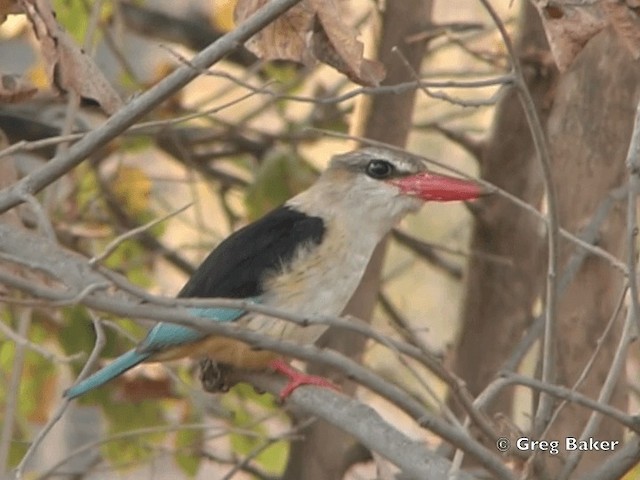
326,452
500,296
589,132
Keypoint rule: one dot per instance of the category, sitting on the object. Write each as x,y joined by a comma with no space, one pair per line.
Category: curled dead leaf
626,23
283,39
345,54
68,66
8,7
570,25
312,30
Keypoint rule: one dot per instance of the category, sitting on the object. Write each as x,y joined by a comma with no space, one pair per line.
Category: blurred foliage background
234,144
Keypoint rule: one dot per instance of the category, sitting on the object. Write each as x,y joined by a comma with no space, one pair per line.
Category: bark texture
500,295
589,132
588,113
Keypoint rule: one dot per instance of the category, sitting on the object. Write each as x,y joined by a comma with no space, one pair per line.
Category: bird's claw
297,379
213,376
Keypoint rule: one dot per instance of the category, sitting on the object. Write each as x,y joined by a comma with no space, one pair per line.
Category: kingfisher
305,257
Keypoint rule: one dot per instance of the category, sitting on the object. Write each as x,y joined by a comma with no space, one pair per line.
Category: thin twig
633,165
441,95
630,330
113,244
43,352
612,380
87,447
588,235
585,372
43,220
55,418
13,389
139,106
558,391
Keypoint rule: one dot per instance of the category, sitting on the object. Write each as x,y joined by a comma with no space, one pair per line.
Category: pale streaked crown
365,159
354,191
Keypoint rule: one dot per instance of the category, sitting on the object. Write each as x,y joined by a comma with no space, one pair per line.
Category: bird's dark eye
379,169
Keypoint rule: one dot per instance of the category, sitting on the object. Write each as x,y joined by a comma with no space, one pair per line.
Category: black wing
235,269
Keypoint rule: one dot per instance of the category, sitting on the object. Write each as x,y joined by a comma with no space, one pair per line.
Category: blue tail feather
160,338
118,366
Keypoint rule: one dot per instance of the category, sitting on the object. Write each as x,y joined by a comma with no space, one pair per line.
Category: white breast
319,281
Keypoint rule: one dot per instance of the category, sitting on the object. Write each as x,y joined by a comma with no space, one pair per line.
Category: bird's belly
221,349
308,287
234,352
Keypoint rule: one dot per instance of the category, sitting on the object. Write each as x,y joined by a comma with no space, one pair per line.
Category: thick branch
364,423
75,273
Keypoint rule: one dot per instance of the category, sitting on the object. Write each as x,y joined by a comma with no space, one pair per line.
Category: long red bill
440,188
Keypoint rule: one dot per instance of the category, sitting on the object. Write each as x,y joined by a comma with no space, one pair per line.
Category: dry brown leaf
569,25
312,30
626,24
8,7
8,177
332,43
69,67
283,39
14,88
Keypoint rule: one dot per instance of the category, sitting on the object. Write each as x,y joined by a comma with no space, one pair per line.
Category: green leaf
280,177
131,187
88,190
131,258
7,350
74,16
128,417
37,385
283,73
77,333
245,400
17,451
188,443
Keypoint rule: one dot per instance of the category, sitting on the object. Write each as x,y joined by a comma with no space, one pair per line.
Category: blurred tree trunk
589,127
500,296
326,452
589,132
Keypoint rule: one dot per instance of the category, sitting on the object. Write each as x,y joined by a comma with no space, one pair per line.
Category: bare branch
73,271
109,249
633,165
369,428
43,352
618,463
139,106
631,422
13,389
553,223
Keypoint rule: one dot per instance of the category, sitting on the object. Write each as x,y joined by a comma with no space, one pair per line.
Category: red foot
298,378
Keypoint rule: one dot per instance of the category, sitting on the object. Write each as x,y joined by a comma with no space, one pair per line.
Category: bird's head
380,186
397,174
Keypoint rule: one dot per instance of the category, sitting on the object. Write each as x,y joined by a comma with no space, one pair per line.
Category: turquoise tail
111,371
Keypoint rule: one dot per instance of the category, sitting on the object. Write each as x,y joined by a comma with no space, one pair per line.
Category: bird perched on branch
306,257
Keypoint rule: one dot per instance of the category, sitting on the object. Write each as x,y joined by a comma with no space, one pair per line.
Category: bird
305,257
